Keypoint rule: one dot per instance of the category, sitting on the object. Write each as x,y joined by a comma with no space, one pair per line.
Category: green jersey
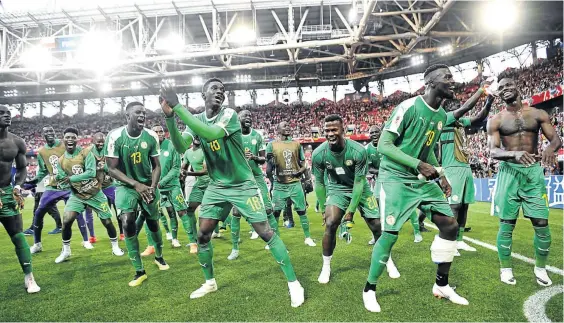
195,158
286,154
47,160
338,170
453,142
80,166
225,159
418,127
170,166
374,157
254,143
101,167
134,153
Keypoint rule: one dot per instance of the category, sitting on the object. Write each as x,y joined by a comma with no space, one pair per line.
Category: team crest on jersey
144,145
53,160
454,198
328,165
77,169
348,162
390,219
254,141
166,153
440,125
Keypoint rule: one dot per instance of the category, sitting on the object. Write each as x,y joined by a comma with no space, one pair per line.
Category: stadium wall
554,187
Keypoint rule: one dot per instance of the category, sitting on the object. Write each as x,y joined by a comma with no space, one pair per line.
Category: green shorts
261,183
218,201
128,200
520,186
197,194
9,205
294,191
376,191
398,201
368,206
98,203
462,184
173,197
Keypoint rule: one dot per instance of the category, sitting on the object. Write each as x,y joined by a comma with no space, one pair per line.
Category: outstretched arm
483,114
207,132
181,142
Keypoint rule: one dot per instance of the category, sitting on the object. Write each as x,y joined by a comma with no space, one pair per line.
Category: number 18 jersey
418,127
134,153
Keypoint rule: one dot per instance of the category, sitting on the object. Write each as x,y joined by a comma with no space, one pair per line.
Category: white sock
27,276
294,283
114,242
210,281
66,246
39,244
327,260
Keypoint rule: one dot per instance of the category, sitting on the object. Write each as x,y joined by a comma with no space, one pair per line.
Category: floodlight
499,15
98,51
171,43
37,57
352,15
446,50
106,87
75,88
135,85
417,60
243,35
197,80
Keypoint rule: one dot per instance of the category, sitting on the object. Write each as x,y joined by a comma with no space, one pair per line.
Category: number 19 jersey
418,127
134,153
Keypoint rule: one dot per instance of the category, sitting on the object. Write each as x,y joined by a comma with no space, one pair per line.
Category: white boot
209,287
309,242
461,245
296,293
87,245
449,293
233,255
506,275
37,247
391,268
175,243
30,284
542,277
370,302
65,254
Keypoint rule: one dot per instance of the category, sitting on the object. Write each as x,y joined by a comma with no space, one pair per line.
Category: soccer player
340,168
289,165
11,200
254,147
108,187
407,144
454,158
47,160
520,181
231,179
132,156
194,158
78,168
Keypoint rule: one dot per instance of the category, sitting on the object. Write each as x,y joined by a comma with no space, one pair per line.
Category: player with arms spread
340,167
232,182
13,149
520,181
132,155
407,145
289,165
77,167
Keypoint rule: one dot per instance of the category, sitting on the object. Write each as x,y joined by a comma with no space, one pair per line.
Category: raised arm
468,105
207,132
483,114
181,142
549,153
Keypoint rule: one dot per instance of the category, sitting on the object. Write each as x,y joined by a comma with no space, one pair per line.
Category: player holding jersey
407,145
77,167
232,182
132,155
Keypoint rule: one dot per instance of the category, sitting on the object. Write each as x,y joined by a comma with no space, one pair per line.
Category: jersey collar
428,106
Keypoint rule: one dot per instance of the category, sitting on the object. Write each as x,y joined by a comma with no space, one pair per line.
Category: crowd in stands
358,115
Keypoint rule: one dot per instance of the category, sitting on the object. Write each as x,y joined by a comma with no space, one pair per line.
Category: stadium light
417,60
106,87
243,35
99,51
135,85
246,78
11,93
197,80
171,43
50,90
75,88
37,57
446,50
499,15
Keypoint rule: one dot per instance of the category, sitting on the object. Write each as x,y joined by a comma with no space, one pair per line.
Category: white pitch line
535,306
528,260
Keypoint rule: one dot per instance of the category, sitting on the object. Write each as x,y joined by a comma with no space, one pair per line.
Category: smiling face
136,117
374,133
70,139
334,132
5,117
99,140
49,135
508,90
443,83
214,94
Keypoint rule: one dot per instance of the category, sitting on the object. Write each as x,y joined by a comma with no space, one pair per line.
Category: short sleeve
269,148
450,119
400,118
260,142
228,121
155,149
111,144
466,122
360,162
302,154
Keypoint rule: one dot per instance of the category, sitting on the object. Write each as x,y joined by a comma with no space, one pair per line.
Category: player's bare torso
8,153
519,130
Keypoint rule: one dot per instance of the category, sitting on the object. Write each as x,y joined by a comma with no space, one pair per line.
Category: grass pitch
92,285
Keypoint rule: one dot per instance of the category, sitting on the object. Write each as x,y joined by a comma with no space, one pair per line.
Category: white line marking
528,260
535,306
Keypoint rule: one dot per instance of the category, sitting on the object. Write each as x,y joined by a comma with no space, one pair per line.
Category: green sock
274,224
235,232
414,219
132,244
305,225
22,251
174,226
164,221
157,238
542,242
460,235
280,253
205,256
380,255
504,244
189,224
150,240
226,222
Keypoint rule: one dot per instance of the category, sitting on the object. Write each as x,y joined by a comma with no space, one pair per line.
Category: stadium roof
108,51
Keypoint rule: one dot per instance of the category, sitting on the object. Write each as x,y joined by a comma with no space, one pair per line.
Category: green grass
92,285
